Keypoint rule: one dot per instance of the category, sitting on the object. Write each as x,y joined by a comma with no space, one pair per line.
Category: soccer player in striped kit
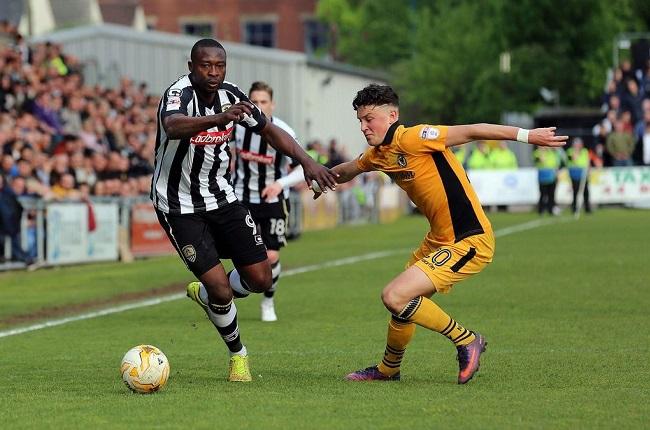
193,196
262,181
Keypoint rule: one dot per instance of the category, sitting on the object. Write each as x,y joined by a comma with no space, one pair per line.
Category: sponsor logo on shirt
255,157
429,133
407,175
212,137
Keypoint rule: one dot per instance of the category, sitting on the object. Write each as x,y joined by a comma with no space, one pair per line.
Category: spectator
335,155
316,152
479,157
547,161
502,157
578,165
71,115
620,145
632,99
10,218
64,188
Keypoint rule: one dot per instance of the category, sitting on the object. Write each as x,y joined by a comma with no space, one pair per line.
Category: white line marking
311,268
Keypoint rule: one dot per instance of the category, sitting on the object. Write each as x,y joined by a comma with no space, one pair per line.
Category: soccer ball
144,369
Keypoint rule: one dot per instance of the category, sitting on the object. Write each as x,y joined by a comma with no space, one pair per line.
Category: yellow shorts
449,264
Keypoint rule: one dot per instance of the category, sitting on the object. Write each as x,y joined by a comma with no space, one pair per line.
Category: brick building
282,24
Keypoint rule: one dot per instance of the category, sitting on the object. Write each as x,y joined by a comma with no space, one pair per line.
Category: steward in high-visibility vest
578,164
480,157
503,157
577,161
547,161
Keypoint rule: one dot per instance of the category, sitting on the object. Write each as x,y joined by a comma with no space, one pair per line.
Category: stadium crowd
623,135
61,139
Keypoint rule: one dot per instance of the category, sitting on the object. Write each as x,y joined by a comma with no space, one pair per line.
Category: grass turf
563,306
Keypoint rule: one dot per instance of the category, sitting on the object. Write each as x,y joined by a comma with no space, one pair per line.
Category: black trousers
546,197
576,190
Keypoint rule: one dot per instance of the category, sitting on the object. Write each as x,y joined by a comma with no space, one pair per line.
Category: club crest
190,253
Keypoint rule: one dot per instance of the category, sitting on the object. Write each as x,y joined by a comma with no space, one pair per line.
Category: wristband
522,135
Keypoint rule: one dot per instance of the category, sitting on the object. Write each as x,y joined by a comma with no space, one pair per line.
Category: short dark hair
261,86
205,43
375,95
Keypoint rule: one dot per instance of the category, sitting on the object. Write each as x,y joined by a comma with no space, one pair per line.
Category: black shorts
271,220
201,239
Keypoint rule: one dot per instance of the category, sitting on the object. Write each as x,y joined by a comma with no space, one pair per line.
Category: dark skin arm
179,126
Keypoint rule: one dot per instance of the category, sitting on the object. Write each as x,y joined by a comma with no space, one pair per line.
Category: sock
239,287
427,314
276,269
243,351
224,318
400,333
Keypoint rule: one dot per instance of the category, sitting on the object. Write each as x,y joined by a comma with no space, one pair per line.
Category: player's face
208,69
375,121
262,100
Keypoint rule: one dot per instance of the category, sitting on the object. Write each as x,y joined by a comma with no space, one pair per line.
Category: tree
443,56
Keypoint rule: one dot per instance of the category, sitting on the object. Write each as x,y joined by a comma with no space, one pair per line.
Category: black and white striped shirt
258,164
193,174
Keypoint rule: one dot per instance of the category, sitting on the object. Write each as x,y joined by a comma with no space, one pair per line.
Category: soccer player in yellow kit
460,242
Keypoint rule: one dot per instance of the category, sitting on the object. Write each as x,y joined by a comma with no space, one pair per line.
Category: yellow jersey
417,159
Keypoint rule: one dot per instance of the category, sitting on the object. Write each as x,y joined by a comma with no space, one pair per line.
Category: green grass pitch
564,307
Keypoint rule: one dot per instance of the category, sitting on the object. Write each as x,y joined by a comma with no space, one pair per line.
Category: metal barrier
56,233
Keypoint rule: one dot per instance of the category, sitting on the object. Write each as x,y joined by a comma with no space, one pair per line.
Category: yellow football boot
238,369
193,293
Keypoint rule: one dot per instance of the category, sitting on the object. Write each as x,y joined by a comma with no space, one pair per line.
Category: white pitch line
311,268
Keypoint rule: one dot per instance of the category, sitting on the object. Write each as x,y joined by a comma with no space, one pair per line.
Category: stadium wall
313,97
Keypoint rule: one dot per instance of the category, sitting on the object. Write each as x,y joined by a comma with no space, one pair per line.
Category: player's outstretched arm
283,142
460,134
180,126
345,171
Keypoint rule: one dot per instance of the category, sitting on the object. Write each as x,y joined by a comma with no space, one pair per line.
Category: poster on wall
66,232
102,239
77,234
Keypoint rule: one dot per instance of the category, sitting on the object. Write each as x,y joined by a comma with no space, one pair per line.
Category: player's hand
319,178
546,137
237,112
271,191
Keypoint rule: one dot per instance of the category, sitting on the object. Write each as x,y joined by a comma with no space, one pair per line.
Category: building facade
282,24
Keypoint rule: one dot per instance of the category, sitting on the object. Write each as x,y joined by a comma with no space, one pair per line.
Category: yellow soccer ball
144,369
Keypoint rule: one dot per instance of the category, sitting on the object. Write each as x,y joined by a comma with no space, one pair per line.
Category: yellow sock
427,314
399,335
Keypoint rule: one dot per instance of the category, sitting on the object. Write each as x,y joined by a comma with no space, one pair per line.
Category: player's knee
218,292
392,300
259,282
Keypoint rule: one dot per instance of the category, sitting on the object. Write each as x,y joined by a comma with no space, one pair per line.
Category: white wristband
522,135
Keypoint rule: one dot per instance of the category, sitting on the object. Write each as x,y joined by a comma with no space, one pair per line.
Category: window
260,34
316,36
202,29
